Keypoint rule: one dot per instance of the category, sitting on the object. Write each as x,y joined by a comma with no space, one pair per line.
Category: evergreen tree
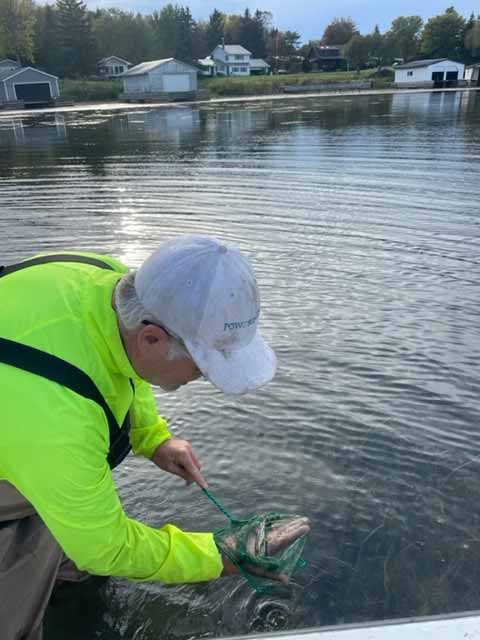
174,33
215,30
376,47
45,52
233,29
185,35
253,32
471,40
164,25
76,55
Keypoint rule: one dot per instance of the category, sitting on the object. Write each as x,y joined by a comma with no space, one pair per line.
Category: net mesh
266,548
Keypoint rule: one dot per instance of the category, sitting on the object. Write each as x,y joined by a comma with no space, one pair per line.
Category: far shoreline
129,106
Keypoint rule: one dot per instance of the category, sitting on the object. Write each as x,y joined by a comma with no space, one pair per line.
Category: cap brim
239,371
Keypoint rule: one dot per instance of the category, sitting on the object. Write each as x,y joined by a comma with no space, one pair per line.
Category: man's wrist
229,569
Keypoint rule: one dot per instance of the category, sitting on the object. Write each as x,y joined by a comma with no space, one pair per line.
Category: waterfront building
27,86
112,66
438,72
472,74
167,79
232,60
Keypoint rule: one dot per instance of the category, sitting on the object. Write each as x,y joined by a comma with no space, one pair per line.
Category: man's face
149,351
174,374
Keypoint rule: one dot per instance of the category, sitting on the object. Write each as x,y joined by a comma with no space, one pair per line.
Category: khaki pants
31,562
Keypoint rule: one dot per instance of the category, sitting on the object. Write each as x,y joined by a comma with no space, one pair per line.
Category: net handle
219,505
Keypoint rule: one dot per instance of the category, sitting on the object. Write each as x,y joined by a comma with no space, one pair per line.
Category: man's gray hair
132,313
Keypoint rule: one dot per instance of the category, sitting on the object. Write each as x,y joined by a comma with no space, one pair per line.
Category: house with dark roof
429,73
326,57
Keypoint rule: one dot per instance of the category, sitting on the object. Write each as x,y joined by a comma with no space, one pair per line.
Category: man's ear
152,335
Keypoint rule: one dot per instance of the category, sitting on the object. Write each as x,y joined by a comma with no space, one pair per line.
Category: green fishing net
265,548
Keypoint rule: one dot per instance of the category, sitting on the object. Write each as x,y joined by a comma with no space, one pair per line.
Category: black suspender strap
62,372
57,257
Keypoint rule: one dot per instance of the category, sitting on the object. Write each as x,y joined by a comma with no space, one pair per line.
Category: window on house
409,73
118,70
243,69
238,57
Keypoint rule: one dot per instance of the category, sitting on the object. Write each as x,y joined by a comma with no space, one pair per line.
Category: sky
308,17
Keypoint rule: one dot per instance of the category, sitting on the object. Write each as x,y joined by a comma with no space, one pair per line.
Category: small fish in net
266,548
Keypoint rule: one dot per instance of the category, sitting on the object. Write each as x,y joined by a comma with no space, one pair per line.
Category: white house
112,66
472,74
428,72
229,60
9,65
160,78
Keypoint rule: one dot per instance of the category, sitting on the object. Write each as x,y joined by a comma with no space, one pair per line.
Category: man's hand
176,456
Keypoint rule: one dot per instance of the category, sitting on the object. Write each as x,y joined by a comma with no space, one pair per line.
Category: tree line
67,39
448,35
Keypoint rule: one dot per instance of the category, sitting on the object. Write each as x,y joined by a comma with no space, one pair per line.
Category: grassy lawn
105,90
90,90
258,85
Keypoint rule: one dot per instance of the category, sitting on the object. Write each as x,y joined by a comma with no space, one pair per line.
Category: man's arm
62,471
148,430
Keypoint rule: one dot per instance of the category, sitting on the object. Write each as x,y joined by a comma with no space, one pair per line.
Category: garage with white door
176,82
157,77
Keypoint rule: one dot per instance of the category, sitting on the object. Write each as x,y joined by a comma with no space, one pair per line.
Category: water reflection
361,217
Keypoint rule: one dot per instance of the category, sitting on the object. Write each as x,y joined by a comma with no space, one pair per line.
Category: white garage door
176,82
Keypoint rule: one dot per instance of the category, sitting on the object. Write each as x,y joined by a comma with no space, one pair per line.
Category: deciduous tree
339,31
357,51
17,21
443,36
405,36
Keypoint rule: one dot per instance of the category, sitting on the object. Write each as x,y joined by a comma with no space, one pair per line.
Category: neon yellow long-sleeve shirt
54,443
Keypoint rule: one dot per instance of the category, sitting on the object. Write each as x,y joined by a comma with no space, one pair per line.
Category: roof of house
206,62
10,61
145,67
105,60
473,66
258,62
234,49
6,75
418,64
319,51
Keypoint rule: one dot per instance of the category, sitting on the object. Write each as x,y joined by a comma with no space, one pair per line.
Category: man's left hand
177,456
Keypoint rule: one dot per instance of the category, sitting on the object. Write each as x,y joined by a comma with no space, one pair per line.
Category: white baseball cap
205,293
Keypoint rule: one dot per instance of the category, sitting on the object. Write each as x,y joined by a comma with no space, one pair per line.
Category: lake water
362,219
